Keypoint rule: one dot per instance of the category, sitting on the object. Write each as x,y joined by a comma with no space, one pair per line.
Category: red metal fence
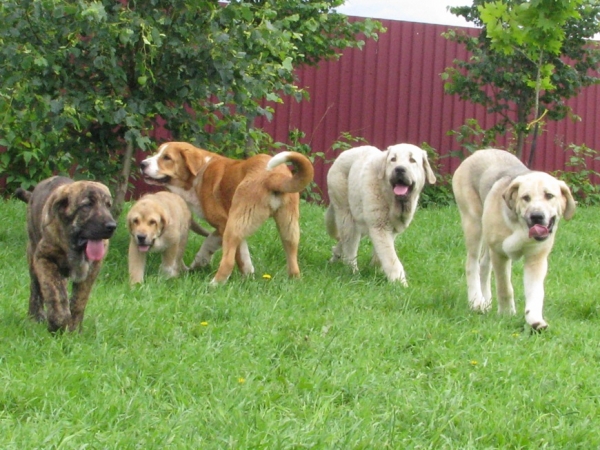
392,92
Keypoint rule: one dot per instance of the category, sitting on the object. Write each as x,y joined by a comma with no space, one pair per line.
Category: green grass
333,360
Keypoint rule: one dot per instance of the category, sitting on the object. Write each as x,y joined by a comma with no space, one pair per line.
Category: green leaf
287,64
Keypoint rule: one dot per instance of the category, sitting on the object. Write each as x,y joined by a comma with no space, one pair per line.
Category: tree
529,57
84,82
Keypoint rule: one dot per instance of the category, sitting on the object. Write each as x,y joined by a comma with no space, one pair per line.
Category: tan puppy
375,193
160,223
236,197
508,212
69,224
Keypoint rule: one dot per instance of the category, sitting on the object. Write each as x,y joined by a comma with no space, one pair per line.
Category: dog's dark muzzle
95,231
402,185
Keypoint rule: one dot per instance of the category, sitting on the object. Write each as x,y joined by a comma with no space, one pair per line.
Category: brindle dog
69,224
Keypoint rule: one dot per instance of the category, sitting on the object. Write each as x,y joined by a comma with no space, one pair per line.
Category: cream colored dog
159,223
508,212
375,193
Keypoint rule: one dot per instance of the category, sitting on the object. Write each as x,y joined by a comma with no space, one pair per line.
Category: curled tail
23,195
290,182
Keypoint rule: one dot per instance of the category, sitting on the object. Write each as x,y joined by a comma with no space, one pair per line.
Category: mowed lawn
333,360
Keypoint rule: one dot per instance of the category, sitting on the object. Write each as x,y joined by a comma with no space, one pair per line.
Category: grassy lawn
333,360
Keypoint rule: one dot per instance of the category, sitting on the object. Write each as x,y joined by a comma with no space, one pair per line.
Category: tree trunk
123,182
533,144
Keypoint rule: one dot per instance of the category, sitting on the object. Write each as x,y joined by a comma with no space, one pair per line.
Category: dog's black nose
400,170
537,218
141,238
143,164
110,226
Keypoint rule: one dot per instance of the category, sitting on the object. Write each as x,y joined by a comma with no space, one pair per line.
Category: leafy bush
440,193
580,177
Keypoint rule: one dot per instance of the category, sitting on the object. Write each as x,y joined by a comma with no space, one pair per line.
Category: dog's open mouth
540,232
402,191
95,249
158,181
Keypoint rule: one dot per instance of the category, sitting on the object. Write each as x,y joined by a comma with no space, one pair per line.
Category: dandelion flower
473,362
266,276
204,324
241,380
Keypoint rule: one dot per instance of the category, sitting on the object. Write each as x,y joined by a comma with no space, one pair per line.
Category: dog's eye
412,160
166,158
393,159
549,196
526,198
136,221
152,222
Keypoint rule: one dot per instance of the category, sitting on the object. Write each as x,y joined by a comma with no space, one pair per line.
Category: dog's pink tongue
143,248
95,250
400,190
538,231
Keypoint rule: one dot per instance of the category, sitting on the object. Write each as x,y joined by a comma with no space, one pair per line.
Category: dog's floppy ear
194,160
510,194
165,220
568,201
57,204
381,165
430,176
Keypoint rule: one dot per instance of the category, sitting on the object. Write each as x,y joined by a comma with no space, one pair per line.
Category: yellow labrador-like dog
508,212
375,193
159,223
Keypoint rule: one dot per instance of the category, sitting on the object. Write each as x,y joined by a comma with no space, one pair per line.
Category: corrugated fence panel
391,91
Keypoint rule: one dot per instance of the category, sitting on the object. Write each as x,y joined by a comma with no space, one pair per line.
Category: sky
426,11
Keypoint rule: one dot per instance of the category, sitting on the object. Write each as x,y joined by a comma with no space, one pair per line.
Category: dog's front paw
201,261
400,278
480,304
535,321
171,271
247,271
335,254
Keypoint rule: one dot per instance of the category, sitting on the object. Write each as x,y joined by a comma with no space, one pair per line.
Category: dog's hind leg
485,277
244,220
349,242
36,302
349,238
286,218
502,272
472,228
208,248
243,259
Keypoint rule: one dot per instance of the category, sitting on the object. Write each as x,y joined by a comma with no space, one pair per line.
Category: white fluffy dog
375,193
